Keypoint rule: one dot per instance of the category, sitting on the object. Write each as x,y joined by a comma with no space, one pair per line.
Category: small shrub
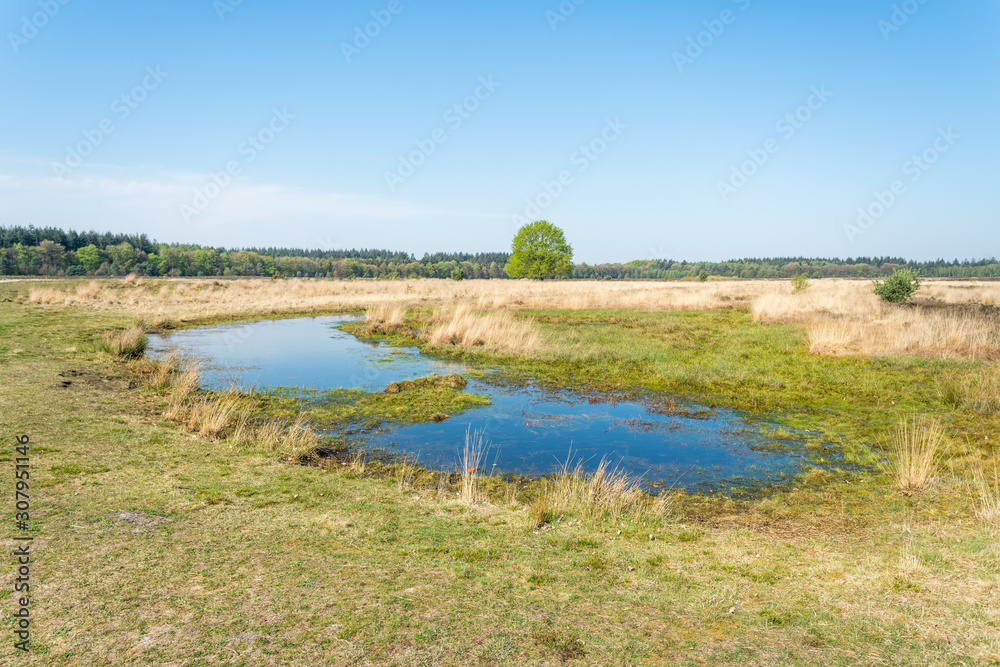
800,283
458,274
703,277
899,287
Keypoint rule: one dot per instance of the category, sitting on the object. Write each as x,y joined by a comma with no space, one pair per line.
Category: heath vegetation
176,513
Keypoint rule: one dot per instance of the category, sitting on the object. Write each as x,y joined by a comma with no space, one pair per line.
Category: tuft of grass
404,473
295,443
357,463
126,344
470,465
161,373
300,443
495,332
565,644
608,494
215,417
979,391
182,389
385,319
913,448
988,490
540,510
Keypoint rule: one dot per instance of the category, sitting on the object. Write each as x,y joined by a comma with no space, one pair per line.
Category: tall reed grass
470,463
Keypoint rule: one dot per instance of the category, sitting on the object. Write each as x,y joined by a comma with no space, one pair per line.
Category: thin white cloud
242,213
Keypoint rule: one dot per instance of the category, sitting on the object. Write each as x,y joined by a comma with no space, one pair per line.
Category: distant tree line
788,267
30,251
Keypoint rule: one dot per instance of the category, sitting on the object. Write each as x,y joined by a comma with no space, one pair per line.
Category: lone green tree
540,251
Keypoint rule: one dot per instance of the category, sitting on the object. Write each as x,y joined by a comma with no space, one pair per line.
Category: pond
530,430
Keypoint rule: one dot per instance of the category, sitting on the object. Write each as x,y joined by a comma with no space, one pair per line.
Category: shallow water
530,430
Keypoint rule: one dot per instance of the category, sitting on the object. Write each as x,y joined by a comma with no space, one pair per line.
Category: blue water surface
530,430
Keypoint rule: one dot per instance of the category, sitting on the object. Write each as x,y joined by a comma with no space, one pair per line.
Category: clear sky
644,129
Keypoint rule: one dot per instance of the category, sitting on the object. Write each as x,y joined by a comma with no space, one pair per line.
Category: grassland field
167,535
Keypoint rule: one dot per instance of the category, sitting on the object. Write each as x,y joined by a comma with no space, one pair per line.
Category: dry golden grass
182,389
216,417
914,448
608,494
357,463
297,443
496,332
405,473
847,318
160,374
988,489
841,316
189,299
385,319
470,466
128,344
987,294
229,417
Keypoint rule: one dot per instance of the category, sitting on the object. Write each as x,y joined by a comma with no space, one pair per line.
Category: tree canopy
540,251
48,251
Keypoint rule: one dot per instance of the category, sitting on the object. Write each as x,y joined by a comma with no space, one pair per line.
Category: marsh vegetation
887,554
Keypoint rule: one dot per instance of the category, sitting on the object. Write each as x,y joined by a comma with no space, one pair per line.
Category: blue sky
251,123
